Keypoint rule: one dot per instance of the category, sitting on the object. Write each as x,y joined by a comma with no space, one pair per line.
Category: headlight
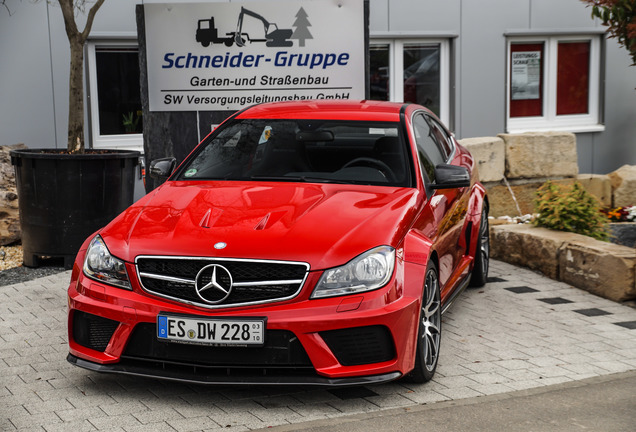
369,271
100,265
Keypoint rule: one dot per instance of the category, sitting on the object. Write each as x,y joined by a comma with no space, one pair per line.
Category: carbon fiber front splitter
242,380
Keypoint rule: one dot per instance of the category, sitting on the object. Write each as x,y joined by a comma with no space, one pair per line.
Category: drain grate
631,325
495,279
555,300
592,312
521,290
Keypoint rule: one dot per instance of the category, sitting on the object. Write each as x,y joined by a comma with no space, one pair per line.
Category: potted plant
65,195
131,122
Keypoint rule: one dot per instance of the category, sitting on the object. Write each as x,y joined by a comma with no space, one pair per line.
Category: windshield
303,150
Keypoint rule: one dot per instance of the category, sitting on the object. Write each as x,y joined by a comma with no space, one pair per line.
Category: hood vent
210,217
269,220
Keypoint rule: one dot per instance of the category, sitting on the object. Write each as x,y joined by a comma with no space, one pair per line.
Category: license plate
209,331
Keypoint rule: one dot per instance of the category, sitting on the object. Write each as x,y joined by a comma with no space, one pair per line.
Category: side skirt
460,288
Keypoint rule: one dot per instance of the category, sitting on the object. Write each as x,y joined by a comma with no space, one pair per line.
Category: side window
428,150
442,137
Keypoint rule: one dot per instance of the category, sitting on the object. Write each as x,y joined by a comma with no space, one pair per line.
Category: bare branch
3,4
69,8
91,17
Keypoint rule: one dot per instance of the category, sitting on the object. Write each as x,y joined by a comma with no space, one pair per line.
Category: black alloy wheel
479,275
430,329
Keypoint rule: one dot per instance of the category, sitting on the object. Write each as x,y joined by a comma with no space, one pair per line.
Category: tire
429,334
479,275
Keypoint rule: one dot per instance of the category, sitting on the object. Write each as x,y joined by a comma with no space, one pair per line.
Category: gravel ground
10,257
12,271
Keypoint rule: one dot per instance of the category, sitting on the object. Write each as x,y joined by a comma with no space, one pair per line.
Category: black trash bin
63,198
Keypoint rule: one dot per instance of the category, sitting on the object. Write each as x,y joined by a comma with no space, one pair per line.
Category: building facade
485,67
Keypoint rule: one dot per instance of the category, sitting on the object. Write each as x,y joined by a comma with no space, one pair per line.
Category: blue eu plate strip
162,327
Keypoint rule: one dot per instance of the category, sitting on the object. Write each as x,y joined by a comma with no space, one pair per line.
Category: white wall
26,92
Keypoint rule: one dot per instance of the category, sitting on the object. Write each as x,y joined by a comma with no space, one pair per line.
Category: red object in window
573,78
526,100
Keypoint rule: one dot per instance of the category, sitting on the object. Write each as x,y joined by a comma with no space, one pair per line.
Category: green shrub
570,208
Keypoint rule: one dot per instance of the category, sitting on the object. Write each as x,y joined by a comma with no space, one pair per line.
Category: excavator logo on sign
207,33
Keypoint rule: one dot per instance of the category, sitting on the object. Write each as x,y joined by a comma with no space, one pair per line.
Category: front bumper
337,341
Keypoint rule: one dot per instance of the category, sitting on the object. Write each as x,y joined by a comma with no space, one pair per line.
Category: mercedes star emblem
213,283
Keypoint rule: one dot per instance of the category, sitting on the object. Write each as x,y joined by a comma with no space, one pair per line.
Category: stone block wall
598,185
624,186
602,268
513,166
490,156
540,155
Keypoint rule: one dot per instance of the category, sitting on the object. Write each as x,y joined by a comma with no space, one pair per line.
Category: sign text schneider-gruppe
225,56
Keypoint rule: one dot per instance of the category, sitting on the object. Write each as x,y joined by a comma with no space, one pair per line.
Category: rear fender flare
470,230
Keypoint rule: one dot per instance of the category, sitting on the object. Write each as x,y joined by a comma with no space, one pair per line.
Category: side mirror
161,169
450,177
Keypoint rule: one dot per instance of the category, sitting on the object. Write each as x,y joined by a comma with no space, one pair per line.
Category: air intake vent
93,331
360,345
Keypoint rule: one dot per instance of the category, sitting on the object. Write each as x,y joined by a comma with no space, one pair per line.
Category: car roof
326,110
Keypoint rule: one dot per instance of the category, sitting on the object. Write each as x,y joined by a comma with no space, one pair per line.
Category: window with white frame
114,95
553,83
411,70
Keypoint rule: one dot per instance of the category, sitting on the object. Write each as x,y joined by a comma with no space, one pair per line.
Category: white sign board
225,56
526,75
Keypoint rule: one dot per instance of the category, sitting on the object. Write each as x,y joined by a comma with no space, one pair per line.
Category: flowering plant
621,214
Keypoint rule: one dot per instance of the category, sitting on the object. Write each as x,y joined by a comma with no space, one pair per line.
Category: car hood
324,225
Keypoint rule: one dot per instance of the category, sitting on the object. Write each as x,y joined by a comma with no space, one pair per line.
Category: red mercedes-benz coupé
310,242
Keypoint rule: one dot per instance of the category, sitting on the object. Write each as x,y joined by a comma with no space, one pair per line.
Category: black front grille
93,331
253,281
360,345
281,350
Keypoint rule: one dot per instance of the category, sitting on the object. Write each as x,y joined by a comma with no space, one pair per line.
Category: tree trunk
76,40
76,97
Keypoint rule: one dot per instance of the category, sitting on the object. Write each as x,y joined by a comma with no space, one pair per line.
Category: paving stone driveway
520,331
